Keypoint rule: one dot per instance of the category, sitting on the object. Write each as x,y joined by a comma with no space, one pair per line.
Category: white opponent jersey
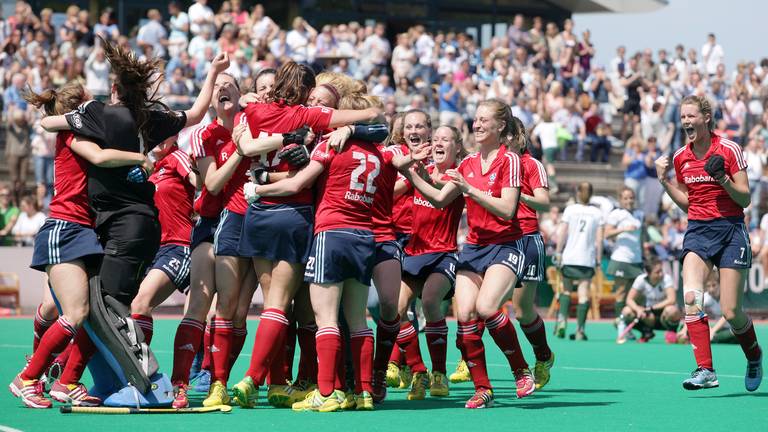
583,223
627,247
653,294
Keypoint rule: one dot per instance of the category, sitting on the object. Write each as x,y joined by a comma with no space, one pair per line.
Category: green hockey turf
596,386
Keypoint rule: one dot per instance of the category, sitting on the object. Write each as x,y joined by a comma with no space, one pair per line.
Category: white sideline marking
4,428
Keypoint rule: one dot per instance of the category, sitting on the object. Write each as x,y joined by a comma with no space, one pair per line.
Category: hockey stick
115,410
628,329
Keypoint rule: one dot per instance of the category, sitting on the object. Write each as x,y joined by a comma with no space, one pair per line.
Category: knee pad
119,340
696,301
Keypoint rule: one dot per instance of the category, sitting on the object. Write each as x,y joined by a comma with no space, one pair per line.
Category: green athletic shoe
245,393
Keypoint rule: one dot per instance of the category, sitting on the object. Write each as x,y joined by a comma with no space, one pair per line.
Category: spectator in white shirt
299,39
97,74
200,17
199,43
712,54
178,39
263,29
30,220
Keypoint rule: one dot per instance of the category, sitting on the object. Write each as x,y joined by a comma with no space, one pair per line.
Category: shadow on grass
733,395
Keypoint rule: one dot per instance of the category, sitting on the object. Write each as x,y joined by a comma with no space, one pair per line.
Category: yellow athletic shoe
217,395
364,401
245,393
284,396
317,402
462,373
419,386
406,377
349,402
393,375
439,385
302,388
541,371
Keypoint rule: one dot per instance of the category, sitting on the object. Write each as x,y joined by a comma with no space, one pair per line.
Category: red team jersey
347,188
534,177
383,227
209,141
434,230
402,210
70,185
173,197
486,228
706,198
232,196
265,119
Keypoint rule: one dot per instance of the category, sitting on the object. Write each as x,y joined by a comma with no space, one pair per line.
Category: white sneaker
754,374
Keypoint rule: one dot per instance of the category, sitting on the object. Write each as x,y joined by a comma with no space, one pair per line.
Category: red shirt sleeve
676,162
537,175
323,155
201,146
318,118
511,172
182,164
734,157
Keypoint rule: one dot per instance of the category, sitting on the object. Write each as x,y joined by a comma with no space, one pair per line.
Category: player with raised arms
277,231
341,259
712,187
66,247
491,262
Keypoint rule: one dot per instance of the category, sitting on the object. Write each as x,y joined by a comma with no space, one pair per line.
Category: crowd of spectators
573,108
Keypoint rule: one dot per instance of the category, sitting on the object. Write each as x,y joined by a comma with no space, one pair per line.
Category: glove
297,155
137,175
715,167
296,137
259,175
249,192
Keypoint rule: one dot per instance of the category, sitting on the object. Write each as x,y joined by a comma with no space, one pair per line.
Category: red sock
55,340
64,356
361,343
185,346
238,340
698,333
437,342
503,332
386,336
308,356
290,351
40,327
147,326
748,341
398,355
277,366
408,340
470,342
536,334
207,340
221,346
80,354
328,353
271,330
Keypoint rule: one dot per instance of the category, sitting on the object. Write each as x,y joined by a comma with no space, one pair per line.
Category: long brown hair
58,101
293,83
133,82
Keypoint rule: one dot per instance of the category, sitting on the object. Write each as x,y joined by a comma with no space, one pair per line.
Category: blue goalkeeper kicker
110,382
